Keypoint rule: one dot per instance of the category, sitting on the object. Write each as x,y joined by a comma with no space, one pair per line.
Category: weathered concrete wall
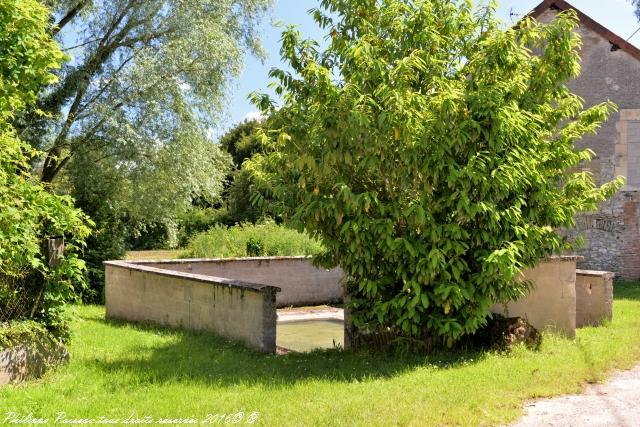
300,282
594,297
30,361
612,235
231,308
551,304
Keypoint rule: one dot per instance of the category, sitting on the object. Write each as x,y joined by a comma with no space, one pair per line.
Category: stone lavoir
237,298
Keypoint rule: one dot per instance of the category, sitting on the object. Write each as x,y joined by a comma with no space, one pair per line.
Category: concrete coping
595,273
231,283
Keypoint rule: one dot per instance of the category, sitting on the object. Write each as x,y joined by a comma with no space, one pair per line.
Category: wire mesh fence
18,300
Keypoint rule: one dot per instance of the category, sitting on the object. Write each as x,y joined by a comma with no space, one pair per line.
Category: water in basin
305,335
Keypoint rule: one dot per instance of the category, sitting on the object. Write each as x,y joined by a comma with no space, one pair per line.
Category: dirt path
614,403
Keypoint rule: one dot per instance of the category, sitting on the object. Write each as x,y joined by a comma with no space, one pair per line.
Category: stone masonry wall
612,234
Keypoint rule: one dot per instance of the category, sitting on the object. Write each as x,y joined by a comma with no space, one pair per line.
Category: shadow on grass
207,358
626,290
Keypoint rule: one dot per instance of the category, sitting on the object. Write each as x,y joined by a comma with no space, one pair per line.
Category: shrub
432,153
251,240
197,220
30,288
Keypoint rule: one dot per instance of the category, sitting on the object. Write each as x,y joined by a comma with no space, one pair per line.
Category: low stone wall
30,360
594,297
237,298
231,308
551,305
299,281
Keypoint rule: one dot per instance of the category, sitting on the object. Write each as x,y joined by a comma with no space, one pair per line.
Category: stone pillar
594,297
269,319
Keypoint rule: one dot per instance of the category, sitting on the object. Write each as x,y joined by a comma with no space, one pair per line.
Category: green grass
118,369
267,239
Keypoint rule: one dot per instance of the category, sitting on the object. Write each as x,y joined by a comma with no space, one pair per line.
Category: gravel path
614,403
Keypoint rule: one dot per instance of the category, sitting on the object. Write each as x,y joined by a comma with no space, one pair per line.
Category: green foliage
147,76
242,142
29,213
266,239
198,220
128,121
432,153
21,332
238,198
137,201
148,188
27,54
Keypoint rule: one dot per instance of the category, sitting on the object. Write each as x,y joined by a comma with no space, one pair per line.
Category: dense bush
197,220
432,152
29,287
267,239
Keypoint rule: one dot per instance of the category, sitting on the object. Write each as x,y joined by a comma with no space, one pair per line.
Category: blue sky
616,15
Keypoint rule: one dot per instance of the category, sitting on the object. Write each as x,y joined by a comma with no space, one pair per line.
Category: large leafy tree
146,77
433,154
241,142
127,123
29,286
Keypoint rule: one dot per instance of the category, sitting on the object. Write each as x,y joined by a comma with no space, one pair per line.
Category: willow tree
127,125
432,152
143,74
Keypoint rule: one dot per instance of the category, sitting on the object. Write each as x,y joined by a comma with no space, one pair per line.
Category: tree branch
70,15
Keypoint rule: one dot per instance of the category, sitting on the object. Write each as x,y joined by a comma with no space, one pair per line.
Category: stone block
594,297
551,304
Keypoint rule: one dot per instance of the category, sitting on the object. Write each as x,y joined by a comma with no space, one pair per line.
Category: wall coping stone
595,273
231,283
561,258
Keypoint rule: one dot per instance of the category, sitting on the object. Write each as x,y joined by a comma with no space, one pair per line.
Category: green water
305,335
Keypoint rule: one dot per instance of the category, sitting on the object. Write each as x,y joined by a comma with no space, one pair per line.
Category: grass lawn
119,369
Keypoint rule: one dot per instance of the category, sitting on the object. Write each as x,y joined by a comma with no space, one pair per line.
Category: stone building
610,71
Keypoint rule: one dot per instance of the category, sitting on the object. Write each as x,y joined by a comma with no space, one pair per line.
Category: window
627,151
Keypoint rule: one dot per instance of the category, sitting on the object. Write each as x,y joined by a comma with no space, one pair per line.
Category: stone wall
612,235
551,304
230,308
30,360
299,281
171,293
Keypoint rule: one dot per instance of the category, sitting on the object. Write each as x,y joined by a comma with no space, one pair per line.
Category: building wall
612,235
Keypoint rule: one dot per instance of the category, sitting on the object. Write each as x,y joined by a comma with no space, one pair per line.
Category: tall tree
432,152
142,73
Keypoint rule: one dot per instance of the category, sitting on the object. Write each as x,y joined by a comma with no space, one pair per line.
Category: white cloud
254,115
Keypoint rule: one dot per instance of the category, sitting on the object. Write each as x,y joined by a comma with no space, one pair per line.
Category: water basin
306,335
